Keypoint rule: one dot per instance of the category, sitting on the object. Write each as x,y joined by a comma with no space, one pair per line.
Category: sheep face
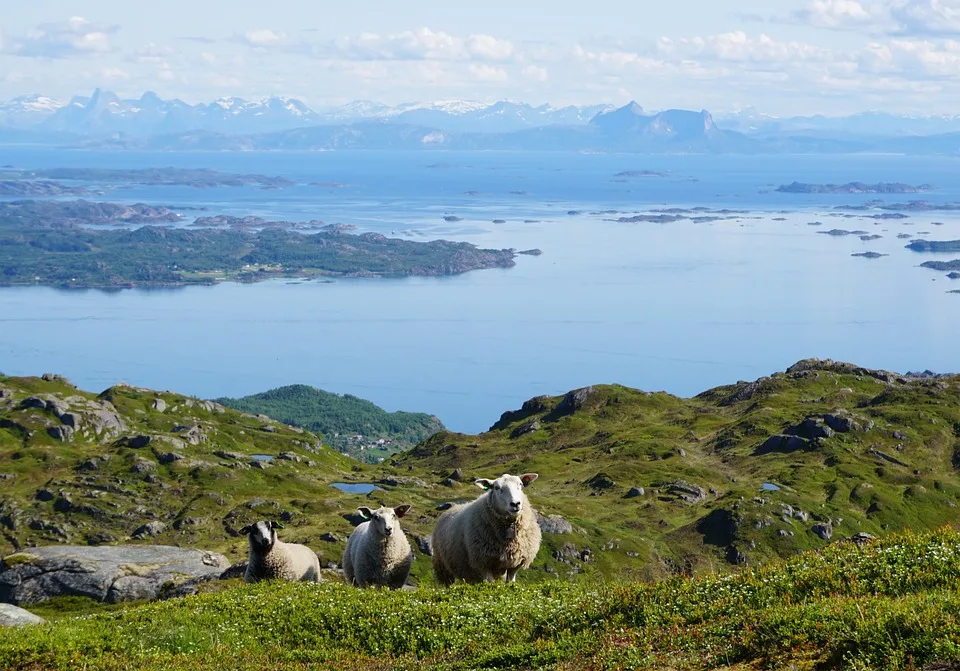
506,492
385,521
263,535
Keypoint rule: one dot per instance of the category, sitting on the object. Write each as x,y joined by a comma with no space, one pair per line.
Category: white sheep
272,559
488,539
378,553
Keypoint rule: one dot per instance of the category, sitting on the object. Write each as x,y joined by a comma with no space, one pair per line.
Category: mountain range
104,120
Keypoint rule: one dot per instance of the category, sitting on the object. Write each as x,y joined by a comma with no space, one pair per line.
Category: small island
944,246
853,187
869,255
51,243
942,266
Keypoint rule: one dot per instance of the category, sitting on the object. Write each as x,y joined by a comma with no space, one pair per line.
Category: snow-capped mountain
106,113
27,111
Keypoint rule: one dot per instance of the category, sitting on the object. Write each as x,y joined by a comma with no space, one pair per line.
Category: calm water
679,307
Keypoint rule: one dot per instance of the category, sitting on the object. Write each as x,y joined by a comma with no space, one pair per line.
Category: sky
782,57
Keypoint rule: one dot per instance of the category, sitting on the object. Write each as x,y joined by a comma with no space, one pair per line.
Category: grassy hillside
891,605
351,425
850,450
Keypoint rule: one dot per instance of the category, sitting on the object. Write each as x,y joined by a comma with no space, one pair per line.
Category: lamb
491,538
272,559
378,552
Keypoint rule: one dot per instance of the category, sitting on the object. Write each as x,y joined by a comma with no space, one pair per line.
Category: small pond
770,487
262,457
355,487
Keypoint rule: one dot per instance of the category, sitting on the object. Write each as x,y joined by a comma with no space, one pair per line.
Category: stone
63,433
573,401
601,481
824,531
174,589
169,457
783,443
634,493
111,574
525,428
424,544
681,452
687,491
290,456
397,481
843,422
457,475
159,404
554,524
233,456
44,495
187,523
238,570
735,556
143,466
445,506
330,537
13,616
138,442
150,529
192,433
862,538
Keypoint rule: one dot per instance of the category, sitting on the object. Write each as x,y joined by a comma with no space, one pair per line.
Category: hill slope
351,425
633,484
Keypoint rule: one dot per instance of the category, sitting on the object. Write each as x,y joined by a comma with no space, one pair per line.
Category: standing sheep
378,552
490,538
272,559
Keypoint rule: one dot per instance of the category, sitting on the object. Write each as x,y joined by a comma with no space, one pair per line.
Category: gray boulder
554,524
824,531
12,616
111,574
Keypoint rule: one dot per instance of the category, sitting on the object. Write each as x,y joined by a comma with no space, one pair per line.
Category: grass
890,605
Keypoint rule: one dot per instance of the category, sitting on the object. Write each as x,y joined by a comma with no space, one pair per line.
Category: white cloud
488,73
421,44
75,37
114,74
926,17
535,73
265,38
739,47
835,14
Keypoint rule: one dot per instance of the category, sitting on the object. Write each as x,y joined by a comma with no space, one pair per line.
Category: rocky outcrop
111,574
12,616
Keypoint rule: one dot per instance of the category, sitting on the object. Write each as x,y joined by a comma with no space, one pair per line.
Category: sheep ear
402,510
365,512
527,478
246,530
484,484
276,525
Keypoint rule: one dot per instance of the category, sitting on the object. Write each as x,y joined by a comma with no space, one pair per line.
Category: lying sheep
378,552
490,538
272,559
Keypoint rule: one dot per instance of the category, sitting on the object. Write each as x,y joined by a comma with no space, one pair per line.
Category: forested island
48,242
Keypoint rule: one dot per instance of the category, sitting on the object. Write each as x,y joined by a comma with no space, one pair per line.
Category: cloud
114,74
535,73
488,73
739,47
926,17
835,14
265,38
883,17
75,37
422,44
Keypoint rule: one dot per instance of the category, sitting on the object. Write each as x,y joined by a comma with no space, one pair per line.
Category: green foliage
340,418
889,605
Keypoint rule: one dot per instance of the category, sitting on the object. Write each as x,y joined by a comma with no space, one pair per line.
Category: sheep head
385,521
263,534
506,492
